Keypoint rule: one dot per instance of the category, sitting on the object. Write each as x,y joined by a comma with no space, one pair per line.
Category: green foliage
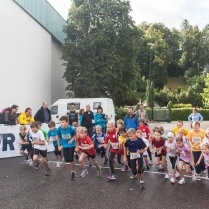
100,50
120,113
181,105
150,94
205,95
170,105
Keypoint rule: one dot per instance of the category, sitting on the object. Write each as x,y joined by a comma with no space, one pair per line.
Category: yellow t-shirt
123,140
176,131
196,138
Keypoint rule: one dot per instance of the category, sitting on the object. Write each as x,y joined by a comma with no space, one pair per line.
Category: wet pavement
22,187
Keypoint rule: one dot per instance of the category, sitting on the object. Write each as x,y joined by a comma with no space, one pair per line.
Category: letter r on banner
8,139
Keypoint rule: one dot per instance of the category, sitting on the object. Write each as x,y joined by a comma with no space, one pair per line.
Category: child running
98,139
170,145
205,155
40,147
25,143
66,137
160,152
115,149
185,156
52,137
136,148
86,147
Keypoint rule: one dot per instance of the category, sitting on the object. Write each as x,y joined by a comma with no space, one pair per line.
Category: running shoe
204,173
142,187
123,168
150,163
106,162
127,168
182,181
48,172
73,176
99,172
31,163
90,164
37,166
147,167
198,177
132,176
84,173
194,177
166,176
58,164
177,174
111,177
26,157
172,180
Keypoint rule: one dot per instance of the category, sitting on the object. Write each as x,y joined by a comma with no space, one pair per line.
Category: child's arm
198,162
125,154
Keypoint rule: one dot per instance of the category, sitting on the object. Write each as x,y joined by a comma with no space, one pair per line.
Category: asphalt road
21,187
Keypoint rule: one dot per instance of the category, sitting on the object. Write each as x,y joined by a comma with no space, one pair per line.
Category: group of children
132,148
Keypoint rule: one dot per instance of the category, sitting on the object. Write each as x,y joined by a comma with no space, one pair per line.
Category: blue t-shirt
52,135
66,135
98,140
133,146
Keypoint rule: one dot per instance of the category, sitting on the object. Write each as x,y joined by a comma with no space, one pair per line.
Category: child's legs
173,164
189,168
157,160
196,158
163,162
119,158
133,166
71,158
111,157
129,161
140,168
149,153
145,160
81,160
56,152
44,158
94,161
181,164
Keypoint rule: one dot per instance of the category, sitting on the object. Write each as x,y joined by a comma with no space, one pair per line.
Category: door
110,111
54,113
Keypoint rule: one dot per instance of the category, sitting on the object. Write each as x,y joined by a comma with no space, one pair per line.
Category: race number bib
206,161
66,136
196,139
101,140
35,139
53,138
172,152
85,145
183,154
134,155
144,135
157,150
114,145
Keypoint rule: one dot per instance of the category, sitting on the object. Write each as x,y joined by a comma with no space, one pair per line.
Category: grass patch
174,83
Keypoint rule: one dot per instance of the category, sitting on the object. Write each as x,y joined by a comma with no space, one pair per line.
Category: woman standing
87,120
195,116
80,116
100,119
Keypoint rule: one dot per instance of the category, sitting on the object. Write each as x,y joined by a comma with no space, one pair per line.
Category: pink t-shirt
184,153
206,159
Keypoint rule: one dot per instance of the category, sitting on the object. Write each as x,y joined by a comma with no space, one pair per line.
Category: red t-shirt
158,144
112,137
145,131
85,142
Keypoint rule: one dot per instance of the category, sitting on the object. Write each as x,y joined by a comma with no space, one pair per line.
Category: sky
169,12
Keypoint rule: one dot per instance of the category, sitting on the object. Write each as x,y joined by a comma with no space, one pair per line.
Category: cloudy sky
170,12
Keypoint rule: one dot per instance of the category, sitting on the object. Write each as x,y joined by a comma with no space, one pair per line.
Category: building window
96,105
54,110
77,105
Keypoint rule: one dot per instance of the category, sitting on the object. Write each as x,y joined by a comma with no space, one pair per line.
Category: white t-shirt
147,144
172,146
38,136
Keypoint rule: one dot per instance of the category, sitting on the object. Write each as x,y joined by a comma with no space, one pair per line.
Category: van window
96,105
77,106
54,110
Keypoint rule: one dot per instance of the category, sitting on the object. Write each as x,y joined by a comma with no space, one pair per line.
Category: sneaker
123,168
150,163
182,181
106,161
48,171
73,176
36,166
132,176
90,163
111,177
63,160
166,176
127,168
147,167
99,172
31,163
204,173
58,164
26,157
177,174
194,177
172,180
198,177
142,187
84,172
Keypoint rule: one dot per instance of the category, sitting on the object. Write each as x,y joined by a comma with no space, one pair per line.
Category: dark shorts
26,147
43,153
91,156
56,151
160,155
69,154
184,161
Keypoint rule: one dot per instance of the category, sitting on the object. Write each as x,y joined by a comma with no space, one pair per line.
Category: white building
31,40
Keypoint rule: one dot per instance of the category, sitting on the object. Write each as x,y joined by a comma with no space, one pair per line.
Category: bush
181,105
158,114
120,113
183,113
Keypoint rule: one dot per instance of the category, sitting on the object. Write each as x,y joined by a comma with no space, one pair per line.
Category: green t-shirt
45,134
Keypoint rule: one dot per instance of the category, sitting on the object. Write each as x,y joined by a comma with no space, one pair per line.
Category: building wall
28,57
58,83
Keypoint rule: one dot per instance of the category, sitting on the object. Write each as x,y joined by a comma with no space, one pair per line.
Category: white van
62,106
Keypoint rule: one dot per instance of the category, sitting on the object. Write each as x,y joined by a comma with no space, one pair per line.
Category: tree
100,50
150,94
205,95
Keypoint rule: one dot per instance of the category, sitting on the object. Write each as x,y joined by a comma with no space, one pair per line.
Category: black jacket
8,118
87,119
73,117
39,116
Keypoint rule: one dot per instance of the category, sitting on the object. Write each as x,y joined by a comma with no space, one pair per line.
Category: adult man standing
25,118
142,114
72,114
43,115
131,119
9,117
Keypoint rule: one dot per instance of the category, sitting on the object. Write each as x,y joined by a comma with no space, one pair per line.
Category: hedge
161,114
182,105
